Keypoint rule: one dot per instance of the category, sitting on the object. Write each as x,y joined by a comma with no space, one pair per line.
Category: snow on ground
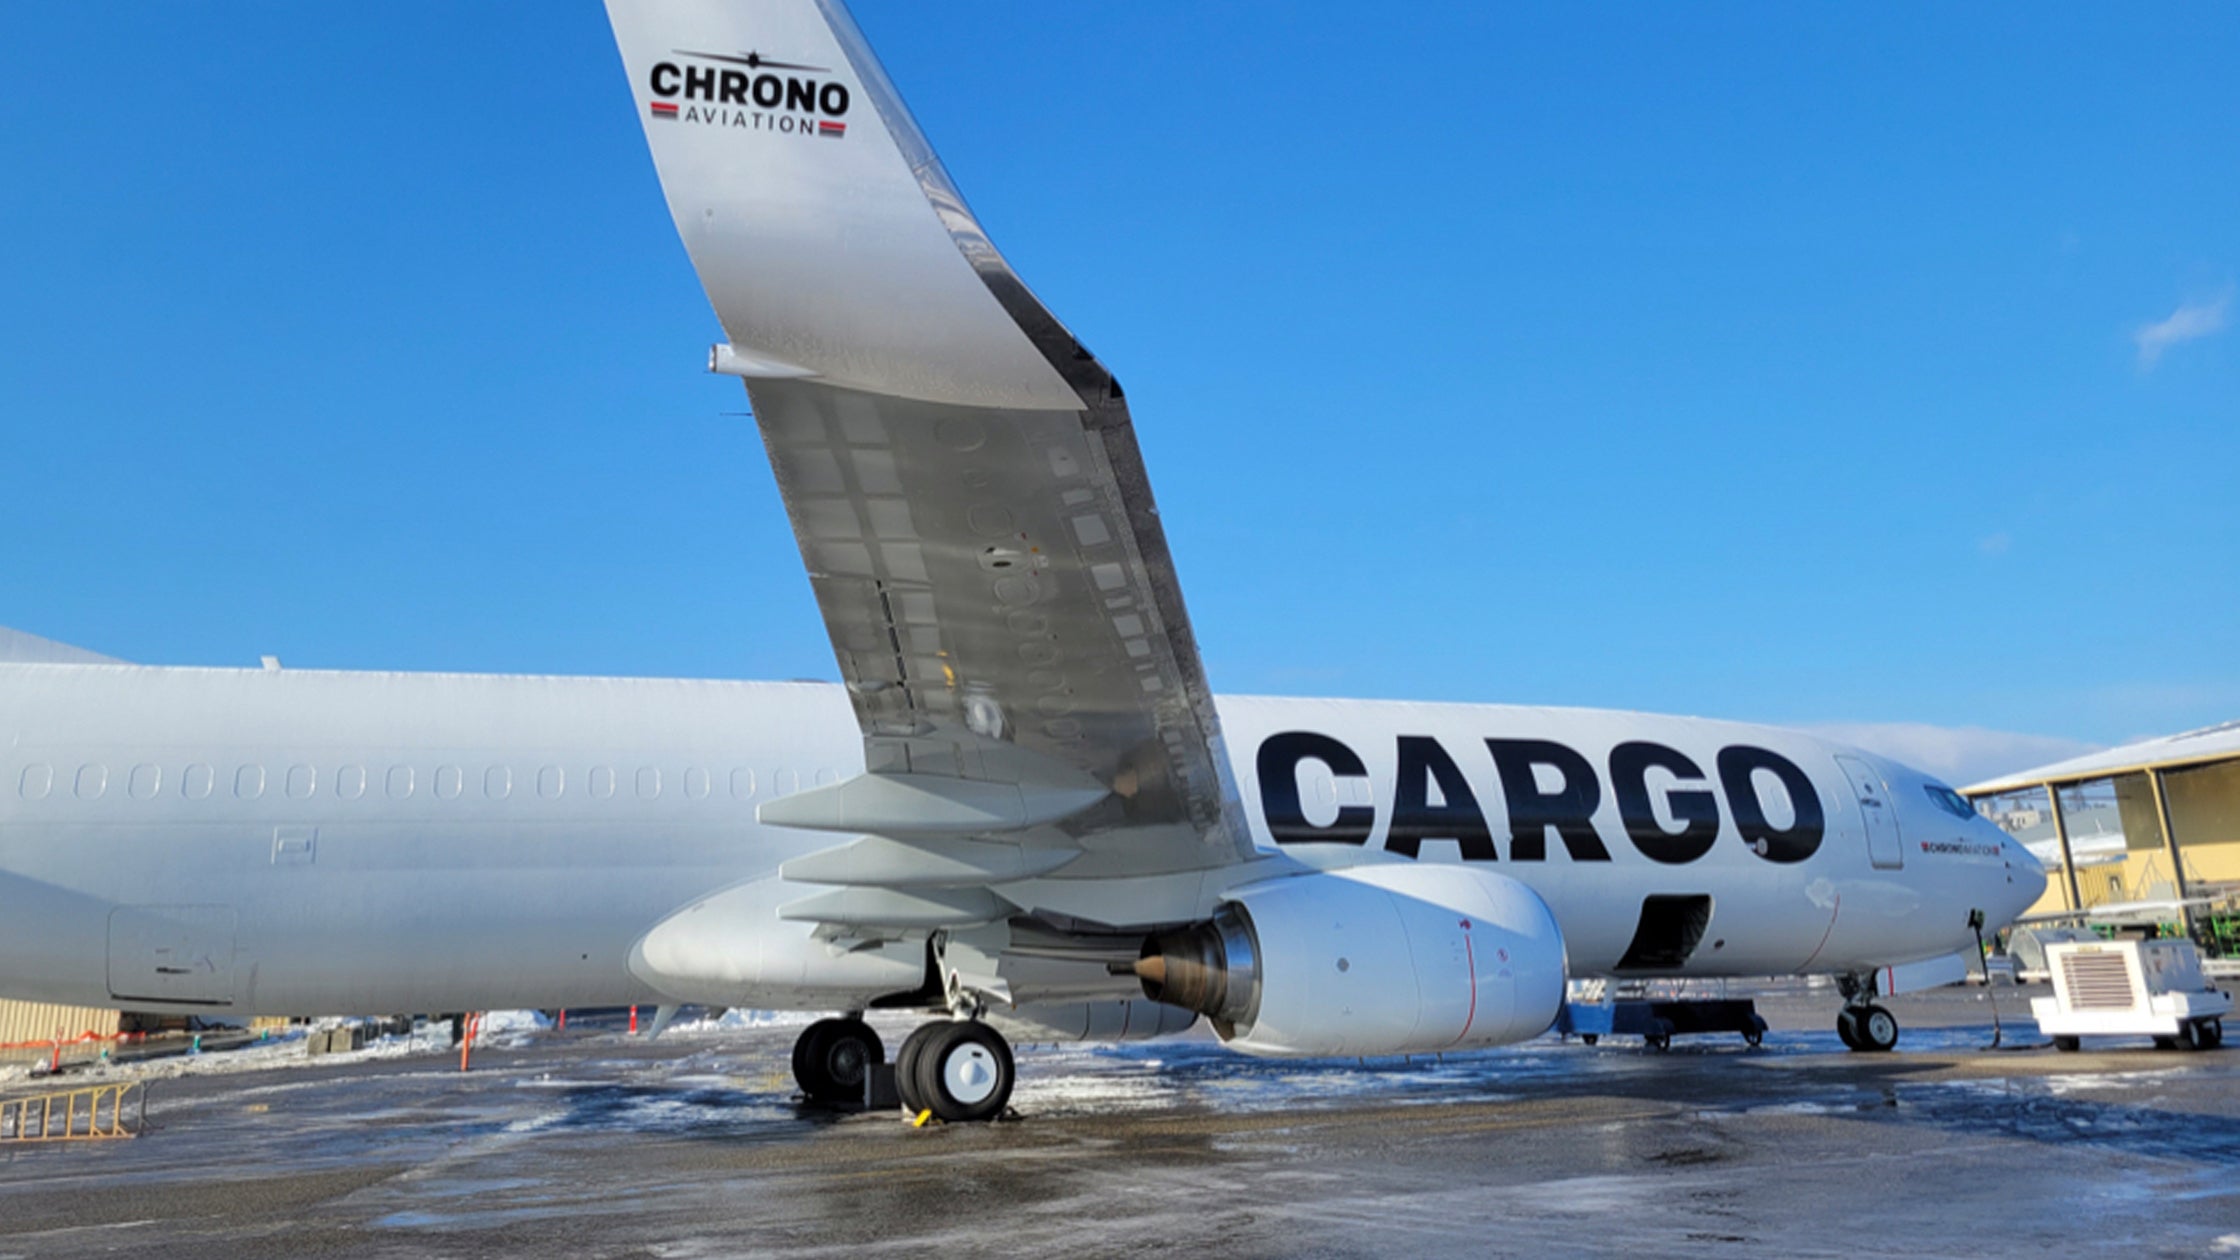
502,1030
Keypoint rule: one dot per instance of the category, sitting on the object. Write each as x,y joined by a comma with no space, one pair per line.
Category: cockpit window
1949,801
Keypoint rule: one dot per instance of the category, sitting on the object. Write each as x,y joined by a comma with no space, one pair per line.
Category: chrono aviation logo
749,91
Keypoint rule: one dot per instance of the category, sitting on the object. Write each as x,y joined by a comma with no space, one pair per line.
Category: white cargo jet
1023,807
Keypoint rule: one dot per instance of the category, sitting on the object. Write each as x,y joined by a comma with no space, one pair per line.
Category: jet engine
1383,959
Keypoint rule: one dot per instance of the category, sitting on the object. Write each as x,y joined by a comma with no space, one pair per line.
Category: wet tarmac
595,1144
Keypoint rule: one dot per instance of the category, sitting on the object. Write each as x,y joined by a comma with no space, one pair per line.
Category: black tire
906,1067
832,1057
1847,1027
1659,1042
2195,1035
1590,1038
1755,1035
963,1072
2215,1027
2067,1045
2166,1043
801,1054
1877,1029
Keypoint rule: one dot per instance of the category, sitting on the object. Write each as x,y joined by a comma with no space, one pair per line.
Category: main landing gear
1862,1024
832,1058
958,1069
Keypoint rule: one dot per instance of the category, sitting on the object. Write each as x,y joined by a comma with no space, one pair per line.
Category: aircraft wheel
1590,1038
832,1056
906,1067
1847,1027
963,1072
2067,1045
1877,1029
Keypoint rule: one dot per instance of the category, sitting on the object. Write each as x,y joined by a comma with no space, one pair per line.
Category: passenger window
449,783
602,782
827,777
784,782
302,782
551,782
696,784
400,783
146,781
37,782
92,782
350,782
1318,792
196,783
742,785
497,783
1773,797
248,782
649,783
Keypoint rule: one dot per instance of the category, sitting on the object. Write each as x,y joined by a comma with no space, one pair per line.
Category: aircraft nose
2025,880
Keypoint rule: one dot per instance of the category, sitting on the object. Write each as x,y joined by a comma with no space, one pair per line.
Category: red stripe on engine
1471,956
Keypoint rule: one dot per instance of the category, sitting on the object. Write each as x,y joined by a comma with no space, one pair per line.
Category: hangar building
2149,832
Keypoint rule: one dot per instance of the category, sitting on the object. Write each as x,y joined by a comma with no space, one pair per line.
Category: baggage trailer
2131,989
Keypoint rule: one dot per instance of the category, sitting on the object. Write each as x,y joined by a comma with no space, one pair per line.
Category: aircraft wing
961,475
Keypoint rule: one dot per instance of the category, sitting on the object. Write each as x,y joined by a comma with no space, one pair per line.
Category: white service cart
2130,989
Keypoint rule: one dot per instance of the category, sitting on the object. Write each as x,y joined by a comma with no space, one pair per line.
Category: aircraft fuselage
307,841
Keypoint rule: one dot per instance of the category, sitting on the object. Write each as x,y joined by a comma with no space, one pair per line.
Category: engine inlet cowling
1212,968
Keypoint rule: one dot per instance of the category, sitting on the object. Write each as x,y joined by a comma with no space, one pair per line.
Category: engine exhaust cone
1211,968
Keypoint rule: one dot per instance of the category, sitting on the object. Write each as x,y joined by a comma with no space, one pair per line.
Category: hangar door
171,954
1882,821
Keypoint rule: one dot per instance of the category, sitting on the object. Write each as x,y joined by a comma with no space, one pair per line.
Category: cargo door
1883,840
181,954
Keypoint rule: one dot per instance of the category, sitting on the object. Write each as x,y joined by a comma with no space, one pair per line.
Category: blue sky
1794,364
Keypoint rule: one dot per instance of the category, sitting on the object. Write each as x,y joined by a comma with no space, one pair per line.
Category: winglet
826,236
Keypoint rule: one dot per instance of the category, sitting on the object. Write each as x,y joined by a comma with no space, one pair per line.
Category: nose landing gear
1863,1025
1867,1027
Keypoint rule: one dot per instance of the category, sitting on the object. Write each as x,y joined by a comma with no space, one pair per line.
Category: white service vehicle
1023,805
2131,988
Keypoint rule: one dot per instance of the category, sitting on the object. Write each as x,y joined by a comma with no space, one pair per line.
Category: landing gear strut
833,1056
1863,1025
958,1069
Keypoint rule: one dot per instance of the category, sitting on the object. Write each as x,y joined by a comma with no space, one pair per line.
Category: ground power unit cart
2131,989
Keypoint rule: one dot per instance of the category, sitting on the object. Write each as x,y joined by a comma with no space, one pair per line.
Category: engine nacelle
1394,958
1090,1021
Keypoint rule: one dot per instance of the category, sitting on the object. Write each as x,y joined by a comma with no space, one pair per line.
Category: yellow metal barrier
71,1115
